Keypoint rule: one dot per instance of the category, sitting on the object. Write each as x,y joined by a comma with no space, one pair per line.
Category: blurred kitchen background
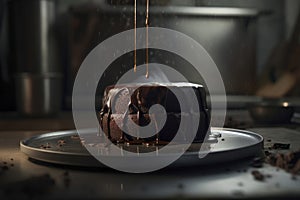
255,44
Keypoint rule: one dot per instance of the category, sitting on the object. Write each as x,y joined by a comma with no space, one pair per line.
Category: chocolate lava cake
119,106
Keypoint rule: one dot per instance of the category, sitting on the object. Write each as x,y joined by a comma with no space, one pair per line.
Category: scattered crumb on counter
281,146
258,175
290,161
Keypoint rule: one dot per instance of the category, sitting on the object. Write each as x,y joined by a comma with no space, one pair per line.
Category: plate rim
30,151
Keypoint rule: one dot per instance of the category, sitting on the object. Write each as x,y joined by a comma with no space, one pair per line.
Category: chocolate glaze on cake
119,106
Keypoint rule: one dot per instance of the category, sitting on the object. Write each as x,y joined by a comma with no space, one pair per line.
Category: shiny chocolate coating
118,105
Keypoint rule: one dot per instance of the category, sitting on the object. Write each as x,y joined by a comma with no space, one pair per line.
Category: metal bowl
271,112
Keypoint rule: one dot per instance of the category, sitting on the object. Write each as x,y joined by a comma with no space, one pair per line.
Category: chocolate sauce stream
156,128
147,36
147,39
125,119
108,123
135,12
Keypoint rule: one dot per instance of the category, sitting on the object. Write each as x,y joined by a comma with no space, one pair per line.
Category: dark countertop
230,180
12,121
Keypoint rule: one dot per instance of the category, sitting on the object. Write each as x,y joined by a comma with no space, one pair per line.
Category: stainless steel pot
228,34
33,37
38,95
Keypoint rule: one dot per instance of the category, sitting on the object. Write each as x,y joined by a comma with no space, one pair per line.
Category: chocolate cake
119,106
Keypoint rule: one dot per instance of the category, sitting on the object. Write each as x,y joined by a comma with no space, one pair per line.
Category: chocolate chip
267,153
268,176
61,142
257,175
281,146
279,161
75,137
48,145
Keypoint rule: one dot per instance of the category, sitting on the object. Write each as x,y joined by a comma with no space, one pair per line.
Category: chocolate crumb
269,140
11,159
279,161
4,163
240,184
75,137
267,153
223,139
48,145
61,142
268,176
281,146
296,167
5,168
257,175
12,165
290,162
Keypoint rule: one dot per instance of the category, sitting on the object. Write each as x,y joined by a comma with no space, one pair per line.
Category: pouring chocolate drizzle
135,12
147,39
147,36
131,108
